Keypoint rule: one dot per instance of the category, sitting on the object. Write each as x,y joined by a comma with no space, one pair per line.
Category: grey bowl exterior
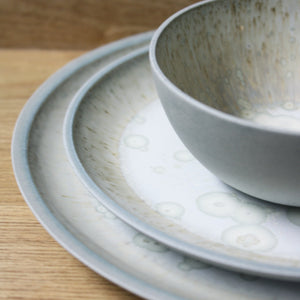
262,162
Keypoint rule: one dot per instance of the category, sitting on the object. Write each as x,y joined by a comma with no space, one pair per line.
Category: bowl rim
226,117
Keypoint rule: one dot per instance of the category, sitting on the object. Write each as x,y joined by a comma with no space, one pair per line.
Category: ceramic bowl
227,74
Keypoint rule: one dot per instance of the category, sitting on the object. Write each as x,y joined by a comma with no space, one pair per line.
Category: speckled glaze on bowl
227,73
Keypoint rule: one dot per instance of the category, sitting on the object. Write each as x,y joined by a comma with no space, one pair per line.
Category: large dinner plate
88,230
126,153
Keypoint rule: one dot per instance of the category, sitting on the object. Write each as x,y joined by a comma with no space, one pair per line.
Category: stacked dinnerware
105,173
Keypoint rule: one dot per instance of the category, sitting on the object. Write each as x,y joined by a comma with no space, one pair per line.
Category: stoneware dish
227,73
90,232
126,153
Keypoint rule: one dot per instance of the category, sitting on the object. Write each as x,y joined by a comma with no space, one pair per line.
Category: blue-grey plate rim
32,196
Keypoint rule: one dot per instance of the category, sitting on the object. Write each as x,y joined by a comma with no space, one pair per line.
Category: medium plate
90,232
126,153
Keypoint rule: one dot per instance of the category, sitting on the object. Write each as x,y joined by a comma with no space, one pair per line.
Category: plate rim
213,257
31,195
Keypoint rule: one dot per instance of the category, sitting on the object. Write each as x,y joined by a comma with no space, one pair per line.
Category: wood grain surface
77,24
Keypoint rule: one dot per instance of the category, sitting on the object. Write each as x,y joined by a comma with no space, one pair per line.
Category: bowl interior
238,56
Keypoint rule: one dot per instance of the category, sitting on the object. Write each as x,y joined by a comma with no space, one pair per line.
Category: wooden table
37,38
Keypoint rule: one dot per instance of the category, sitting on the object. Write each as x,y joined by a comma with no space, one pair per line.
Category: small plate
126,153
